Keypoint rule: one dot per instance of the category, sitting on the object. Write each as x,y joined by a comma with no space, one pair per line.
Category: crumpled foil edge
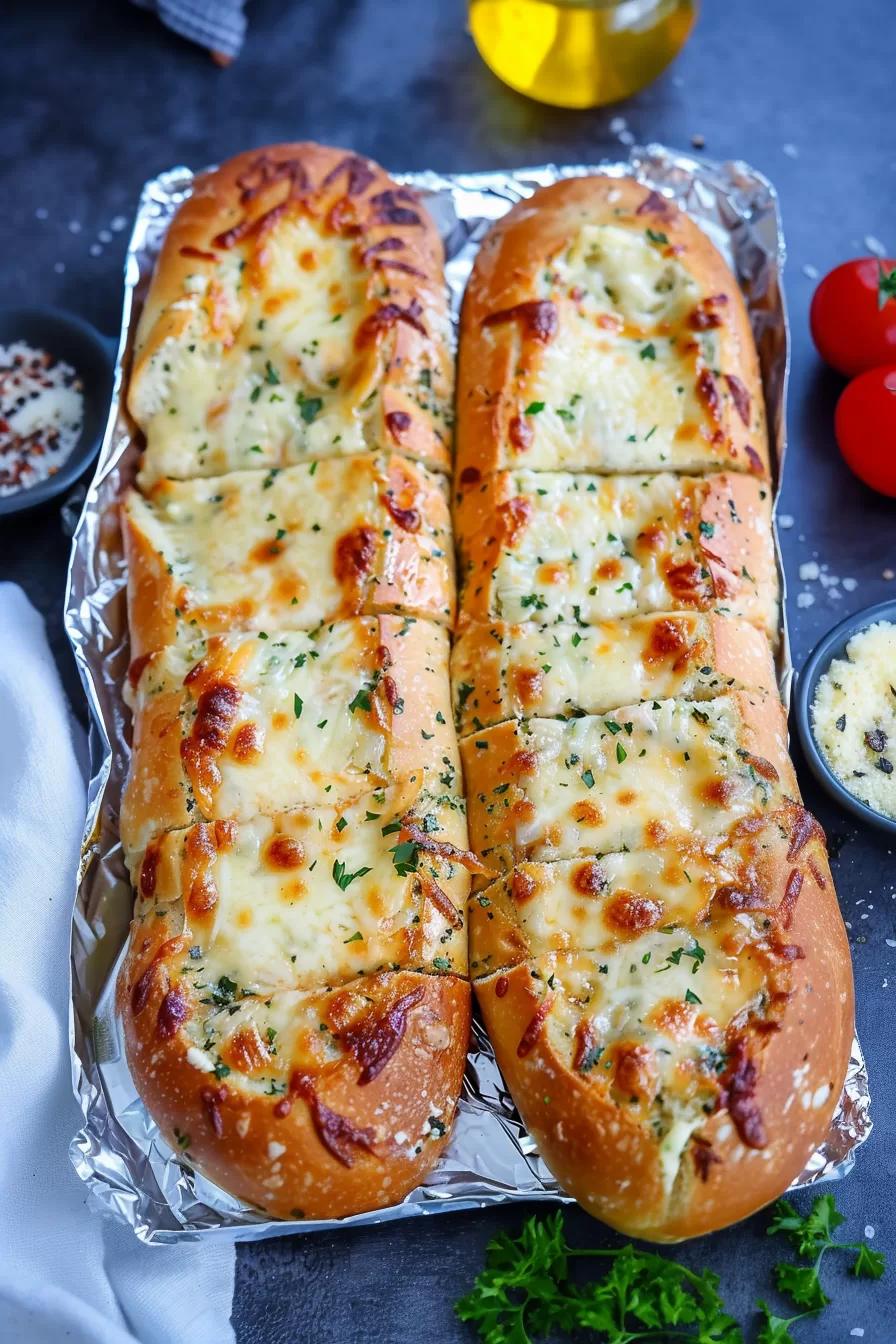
130,1171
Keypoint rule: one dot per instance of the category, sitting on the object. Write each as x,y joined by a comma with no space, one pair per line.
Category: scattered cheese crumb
74,226
805,600
811,272
118,223
791,151
869,1232
809,571
785,520
41,212
874,245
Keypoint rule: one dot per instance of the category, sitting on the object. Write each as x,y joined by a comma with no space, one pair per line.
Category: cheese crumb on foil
854,717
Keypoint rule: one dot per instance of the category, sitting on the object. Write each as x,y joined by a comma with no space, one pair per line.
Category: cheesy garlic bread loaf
661,965
296,998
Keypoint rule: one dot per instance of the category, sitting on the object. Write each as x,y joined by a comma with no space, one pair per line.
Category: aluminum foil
129,1168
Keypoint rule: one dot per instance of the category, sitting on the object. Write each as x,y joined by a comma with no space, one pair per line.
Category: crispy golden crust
286,550
501,361
216,734
502,671
218,268
602,1152
308,1136
581,552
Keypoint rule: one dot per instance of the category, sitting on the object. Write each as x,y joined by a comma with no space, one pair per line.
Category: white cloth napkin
66,1273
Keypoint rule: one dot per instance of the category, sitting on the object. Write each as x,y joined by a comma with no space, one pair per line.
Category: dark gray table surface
96,97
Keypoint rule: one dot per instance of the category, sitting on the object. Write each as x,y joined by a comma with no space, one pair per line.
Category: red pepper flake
212,1099
398,423
740,396
174,1010
533,1031
409,520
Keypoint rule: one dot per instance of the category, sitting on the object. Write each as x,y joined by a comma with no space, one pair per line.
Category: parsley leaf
344,879
811,1237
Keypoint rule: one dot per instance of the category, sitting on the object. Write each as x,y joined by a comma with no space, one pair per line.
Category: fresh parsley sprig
811,1238
524,1291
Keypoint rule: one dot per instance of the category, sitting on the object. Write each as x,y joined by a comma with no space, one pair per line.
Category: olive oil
580,53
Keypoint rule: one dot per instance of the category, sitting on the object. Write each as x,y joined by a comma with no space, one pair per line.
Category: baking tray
119,1152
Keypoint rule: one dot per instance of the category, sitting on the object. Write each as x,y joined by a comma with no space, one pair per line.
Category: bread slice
602,331
294,998
556,547
239,725
544,789
287,550
673,1023
298,311
502,671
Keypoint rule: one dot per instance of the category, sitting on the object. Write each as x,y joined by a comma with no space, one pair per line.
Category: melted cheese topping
585,550
315,897
292,549
266,369
549,790
618,382
246,725
616,388
502,672
600,904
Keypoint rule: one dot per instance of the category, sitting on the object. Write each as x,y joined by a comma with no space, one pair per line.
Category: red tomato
853,315
865,423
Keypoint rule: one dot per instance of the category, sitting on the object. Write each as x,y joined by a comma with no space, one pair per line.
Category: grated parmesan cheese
854,717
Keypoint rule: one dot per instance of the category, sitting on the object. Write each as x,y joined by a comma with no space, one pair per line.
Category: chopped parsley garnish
344,879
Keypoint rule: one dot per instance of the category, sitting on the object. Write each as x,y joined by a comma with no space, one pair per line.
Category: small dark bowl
92,356
834,646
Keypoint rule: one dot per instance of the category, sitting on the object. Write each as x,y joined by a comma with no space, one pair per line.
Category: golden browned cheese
660,962
296,998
